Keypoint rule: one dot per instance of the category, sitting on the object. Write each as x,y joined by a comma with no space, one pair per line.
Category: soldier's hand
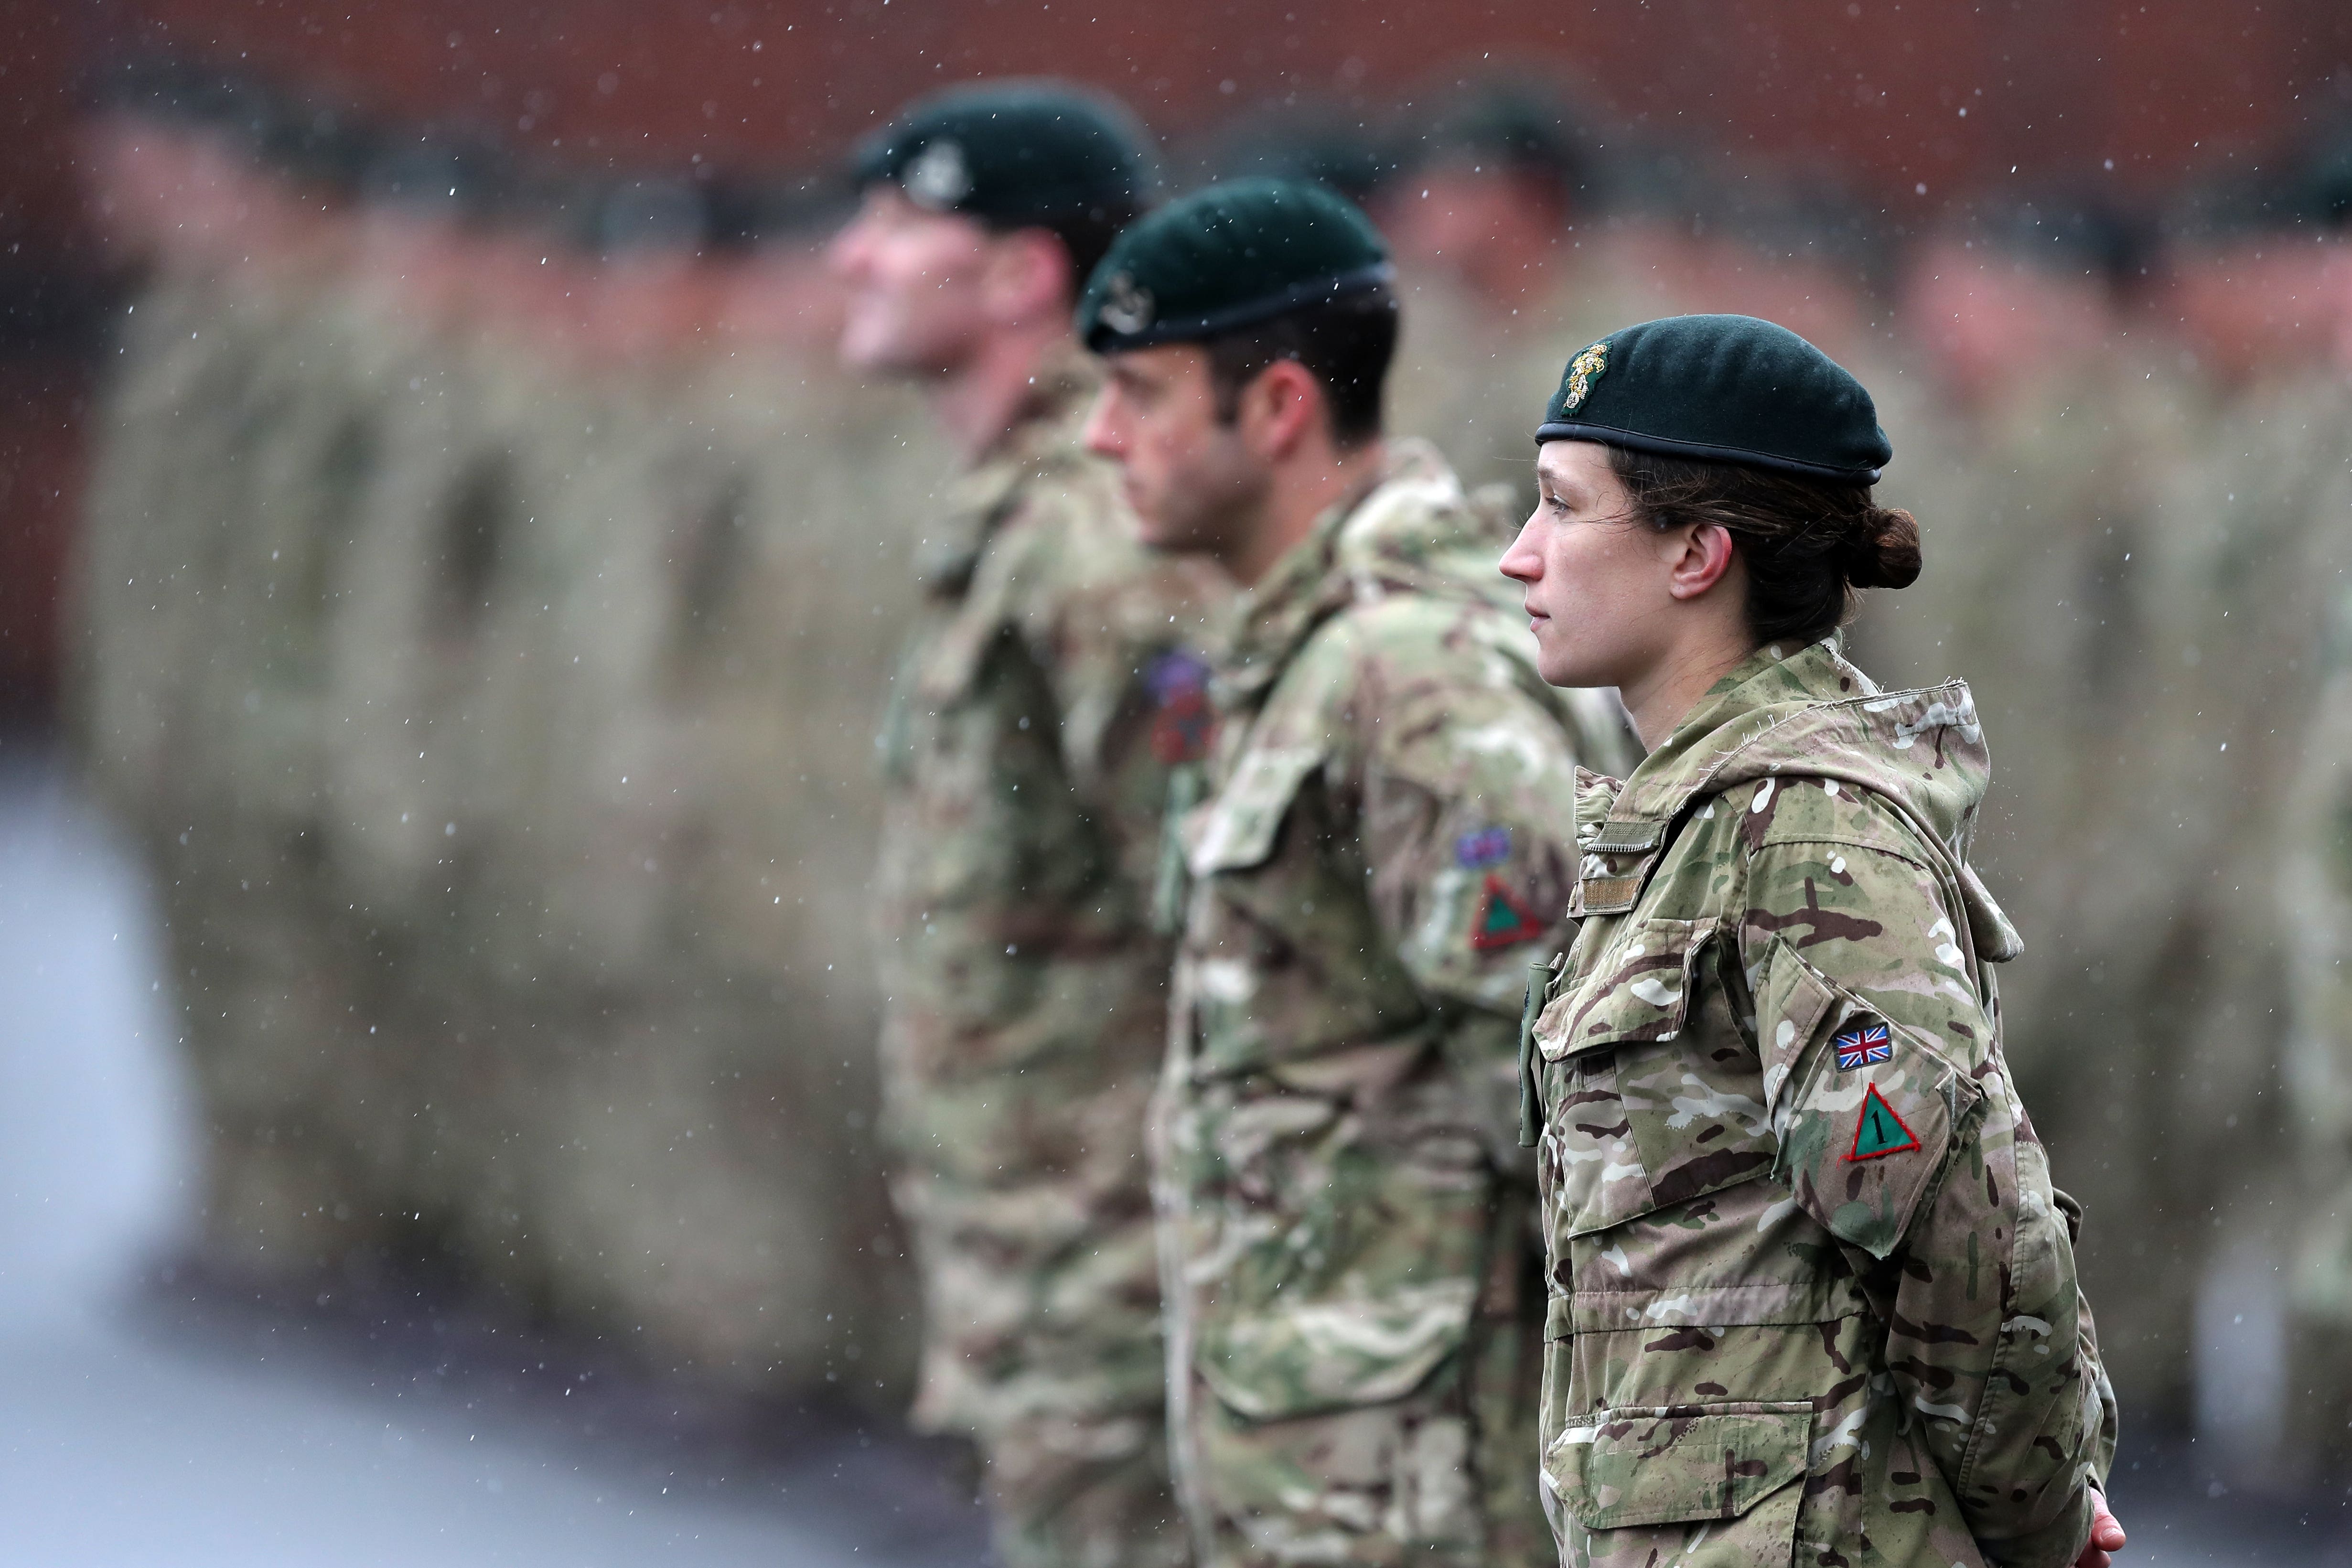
2106,1535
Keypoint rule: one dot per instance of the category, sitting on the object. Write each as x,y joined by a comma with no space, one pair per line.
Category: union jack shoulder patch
1865,1046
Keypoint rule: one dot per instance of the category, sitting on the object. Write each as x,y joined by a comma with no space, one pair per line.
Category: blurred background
445,598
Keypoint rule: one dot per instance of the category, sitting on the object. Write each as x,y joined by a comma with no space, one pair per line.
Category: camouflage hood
1809,714
1416,530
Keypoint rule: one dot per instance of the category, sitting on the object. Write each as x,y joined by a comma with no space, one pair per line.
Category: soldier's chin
875,346
1153,535
1156,533
1565,669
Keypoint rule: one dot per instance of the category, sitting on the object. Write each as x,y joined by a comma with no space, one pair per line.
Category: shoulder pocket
1633,1469
1237,829
982,615
1865,1108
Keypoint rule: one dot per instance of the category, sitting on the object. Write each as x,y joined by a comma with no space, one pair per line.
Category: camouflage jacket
1043,693
1385,843
1811,1286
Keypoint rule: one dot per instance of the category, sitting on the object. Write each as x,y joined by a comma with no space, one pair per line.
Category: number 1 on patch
1878,1131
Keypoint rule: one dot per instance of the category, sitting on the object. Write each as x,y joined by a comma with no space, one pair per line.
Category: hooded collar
1735,711
1414,530
1041,435
1809,714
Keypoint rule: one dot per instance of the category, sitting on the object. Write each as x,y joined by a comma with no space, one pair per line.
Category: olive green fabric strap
1530,1103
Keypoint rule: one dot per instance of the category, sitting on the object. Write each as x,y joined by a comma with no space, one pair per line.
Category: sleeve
1468,834
1899,1131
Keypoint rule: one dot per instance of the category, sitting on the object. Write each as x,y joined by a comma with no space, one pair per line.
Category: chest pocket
1637,988
1286,955
1656,1098
1237,830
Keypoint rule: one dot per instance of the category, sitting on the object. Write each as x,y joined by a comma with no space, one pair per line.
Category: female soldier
1813,1295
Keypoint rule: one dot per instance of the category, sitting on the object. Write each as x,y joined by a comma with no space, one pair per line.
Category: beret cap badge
1127,306
1583,371
937,177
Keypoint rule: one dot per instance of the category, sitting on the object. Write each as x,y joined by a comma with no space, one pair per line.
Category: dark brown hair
1346,343
1808,542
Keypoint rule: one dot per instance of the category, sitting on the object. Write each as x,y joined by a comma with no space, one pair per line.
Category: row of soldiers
2166,966
1340,1252
1368,806
435,661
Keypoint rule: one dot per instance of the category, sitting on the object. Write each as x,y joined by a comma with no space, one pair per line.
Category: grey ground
150,1415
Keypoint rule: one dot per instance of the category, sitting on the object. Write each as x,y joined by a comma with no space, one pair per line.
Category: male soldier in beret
1354,1314
1045,691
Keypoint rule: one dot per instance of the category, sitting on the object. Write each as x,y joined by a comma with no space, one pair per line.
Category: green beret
1727,389
1013,154
1226,257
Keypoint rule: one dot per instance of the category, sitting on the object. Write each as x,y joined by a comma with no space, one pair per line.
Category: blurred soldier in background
2315,871
1322,143
1502,273
1352,1298
2132,599
2284,462
1043,693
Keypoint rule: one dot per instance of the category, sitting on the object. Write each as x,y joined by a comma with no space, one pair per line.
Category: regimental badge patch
1182,720
1486,847
1878,1131
1582,372
1864,1045
1503,921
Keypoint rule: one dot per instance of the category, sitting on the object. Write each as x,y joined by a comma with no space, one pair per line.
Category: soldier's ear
1283,405
1698,556
1028,278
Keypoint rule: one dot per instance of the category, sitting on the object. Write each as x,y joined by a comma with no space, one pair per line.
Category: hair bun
1883,553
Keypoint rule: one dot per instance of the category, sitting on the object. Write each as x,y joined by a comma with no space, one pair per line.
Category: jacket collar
1808,713
1412,529
1735,711
1042,435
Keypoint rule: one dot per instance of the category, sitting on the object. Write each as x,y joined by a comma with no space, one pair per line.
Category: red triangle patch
1503,921
1878,1131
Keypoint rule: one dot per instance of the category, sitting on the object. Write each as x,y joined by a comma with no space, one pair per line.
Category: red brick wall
2054,86
43,399
45,264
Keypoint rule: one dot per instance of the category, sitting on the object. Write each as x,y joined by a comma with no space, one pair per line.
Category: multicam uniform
1812,1296
1346,1217
1038,707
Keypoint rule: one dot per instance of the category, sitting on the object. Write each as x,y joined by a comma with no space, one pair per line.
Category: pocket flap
1638,989
1863,1108
1677,1464
1237,830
